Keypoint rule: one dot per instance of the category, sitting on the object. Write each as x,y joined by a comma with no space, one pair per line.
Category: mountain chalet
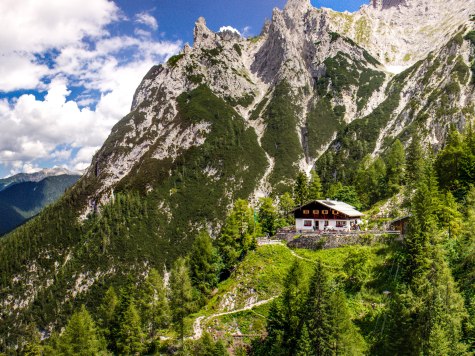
327,215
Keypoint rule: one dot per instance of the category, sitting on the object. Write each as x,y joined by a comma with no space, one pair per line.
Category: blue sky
68,69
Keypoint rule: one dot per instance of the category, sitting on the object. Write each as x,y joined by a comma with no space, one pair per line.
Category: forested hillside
155,249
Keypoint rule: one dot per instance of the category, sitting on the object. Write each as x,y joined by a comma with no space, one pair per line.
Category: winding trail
198,324
279,242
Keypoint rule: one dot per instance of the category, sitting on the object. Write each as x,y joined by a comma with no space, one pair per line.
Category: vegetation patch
280,139
173,60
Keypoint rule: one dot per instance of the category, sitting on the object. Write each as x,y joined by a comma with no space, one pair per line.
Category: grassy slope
262,273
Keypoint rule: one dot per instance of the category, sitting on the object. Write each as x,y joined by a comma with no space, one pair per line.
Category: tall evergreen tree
238,234
81,336
318,312
395,160
315,189
301,189
286,205
181,295
267,216
331,331
107,310
204,264
154,303
427,313
414,161
304,346
131,338
286,316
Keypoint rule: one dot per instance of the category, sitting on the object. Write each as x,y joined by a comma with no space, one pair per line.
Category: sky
68,69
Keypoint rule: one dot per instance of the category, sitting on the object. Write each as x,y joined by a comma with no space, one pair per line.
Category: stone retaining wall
328,241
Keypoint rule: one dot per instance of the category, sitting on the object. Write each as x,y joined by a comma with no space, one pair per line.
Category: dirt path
198,324
279,242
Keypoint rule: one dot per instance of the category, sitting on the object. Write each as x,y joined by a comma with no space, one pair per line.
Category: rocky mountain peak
301,5
386,4
203,36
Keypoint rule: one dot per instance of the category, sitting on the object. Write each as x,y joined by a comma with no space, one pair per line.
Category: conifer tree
318,311
425,206
156,311
204,264
427,313
267,216
286,314
450,160
330,329
238,234
315,189
395,160
181,295
301,189
286,205
414,161
107,310
81,336
131,337
304,346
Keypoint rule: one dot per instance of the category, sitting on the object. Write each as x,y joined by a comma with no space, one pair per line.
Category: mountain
237,118
35,177
21,201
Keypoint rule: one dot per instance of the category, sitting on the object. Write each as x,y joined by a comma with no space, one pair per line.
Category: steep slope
232,118
401,32
21,201
428,97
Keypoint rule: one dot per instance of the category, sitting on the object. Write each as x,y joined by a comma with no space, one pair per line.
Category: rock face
323,57
237,118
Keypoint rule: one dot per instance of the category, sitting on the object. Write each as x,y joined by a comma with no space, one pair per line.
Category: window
334,212
306,212
315,212
326,222
325,212
340,223
307,223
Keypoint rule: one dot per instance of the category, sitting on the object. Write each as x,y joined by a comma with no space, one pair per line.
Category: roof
339,206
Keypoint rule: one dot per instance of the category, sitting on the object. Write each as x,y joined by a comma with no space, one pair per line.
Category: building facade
327,215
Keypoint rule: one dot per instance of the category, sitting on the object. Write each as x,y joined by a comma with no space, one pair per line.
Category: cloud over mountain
87,73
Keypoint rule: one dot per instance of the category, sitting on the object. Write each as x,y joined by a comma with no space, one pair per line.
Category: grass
264,270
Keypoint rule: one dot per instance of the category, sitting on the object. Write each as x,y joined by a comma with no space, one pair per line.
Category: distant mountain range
35,177
24,195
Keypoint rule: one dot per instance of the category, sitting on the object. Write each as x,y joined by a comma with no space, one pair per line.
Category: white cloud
35,26
147,20
18,71
246,31
229,28
86,55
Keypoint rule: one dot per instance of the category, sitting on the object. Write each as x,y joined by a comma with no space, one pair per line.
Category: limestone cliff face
401,32
336,67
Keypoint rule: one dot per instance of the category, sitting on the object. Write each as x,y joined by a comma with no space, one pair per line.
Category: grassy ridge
260,276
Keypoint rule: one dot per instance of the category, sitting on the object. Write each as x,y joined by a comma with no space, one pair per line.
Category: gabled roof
339,206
